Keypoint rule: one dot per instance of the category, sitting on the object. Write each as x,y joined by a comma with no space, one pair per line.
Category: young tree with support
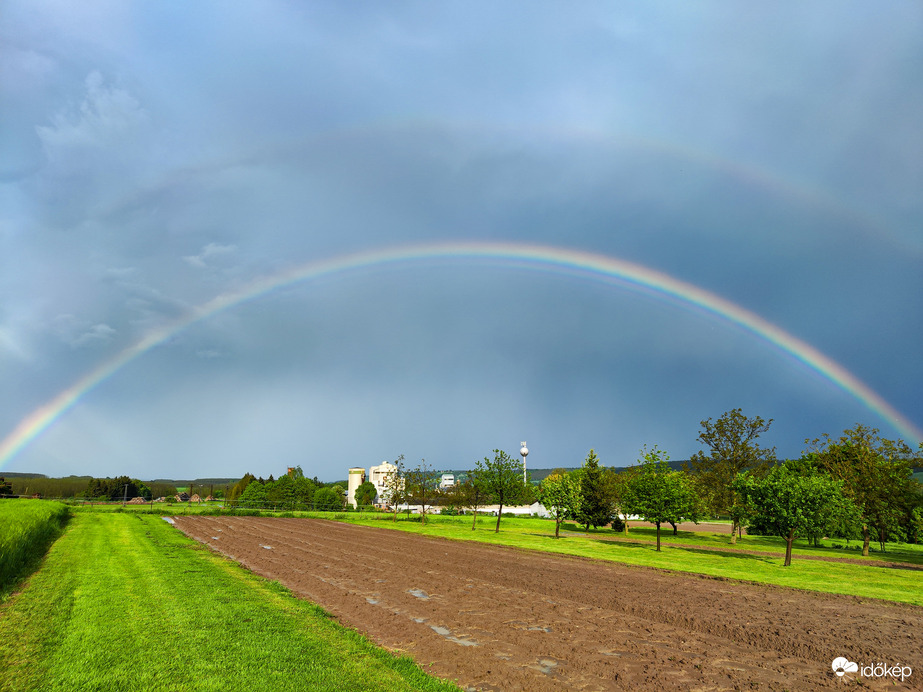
395,486
421,487
471,494
502,479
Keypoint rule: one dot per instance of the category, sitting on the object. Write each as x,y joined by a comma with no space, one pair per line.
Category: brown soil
496,618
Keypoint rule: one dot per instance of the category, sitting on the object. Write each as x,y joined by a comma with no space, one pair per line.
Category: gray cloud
156,158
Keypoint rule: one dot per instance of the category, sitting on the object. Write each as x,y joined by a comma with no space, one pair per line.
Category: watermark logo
842,665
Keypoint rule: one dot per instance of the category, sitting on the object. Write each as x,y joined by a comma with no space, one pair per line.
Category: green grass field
125,602
27,528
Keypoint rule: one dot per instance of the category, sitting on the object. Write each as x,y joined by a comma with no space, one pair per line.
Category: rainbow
534,257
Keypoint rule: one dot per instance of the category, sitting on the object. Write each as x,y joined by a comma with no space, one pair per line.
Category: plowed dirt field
496,618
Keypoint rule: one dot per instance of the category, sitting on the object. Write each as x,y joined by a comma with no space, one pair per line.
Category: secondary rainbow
533,257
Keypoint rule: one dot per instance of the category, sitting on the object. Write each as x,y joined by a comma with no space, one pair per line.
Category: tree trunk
474,522
557,526
658,536
734,533
865,540
881,538
499,514
788,547
674,527
626,525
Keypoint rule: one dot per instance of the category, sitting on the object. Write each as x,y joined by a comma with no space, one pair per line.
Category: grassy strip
124,601
27,528
865,580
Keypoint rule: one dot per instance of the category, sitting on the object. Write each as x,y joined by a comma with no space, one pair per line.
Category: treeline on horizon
123,488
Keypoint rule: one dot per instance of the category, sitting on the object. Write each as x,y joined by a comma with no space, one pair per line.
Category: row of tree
855,486
292,491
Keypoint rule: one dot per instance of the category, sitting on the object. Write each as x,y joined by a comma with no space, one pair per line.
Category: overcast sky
154,156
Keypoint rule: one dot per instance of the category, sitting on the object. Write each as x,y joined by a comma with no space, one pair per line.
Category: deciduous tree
502,478
732,449
395,486
560,495
876,474
366,494
658,494
471,494
792,501
421,487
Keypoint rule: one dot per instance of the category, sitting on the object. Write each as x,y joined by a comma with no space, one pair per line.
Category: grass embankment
700,553
27,528
124,602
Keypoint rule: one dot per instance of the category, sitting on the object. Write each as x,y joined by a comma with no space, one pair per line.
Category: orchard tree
395,486
877,475
421,487
616,485
658,494
560,495
472,493
502,479
792,502
732,449
596,506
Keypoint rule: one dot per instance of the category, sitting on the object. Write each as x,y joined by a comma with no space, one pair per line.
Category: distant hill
12,474
538,475
197,481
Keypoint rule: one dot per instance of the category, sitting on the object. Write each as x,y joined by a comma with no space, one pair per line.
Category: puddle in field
546,665
370,600
419,593
447,633
267,547
529,628
169,520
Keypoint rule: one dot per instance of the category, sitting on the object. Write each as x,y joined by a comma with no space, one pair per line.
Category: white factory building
377,476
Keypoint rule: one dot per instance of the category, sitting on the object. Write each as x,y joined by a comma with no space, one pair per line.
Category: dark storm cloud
155,157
